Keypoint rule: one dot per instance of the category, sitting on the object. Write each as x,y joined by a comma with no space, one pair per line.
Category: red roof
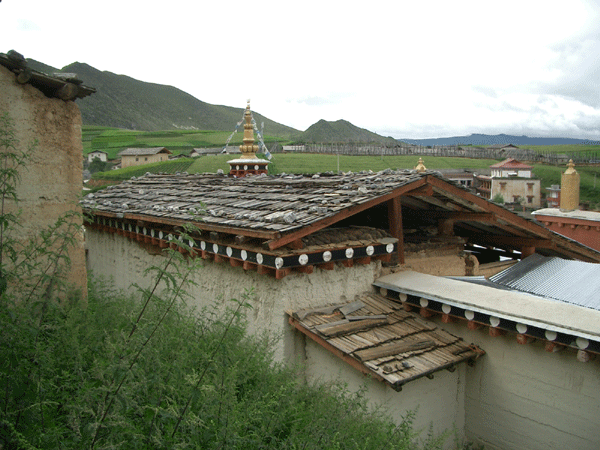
510,163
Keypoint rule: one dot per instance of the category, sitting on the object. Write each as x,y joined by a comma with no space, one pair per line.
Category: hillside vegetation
114,140
342,131
124,102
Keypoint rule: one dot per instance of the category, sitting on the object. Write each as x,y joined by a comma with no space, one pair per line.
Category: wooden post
395,225
527,251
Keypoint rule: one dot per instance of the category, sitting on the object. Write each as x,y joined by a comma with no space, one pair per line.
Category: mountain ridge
121,101
491,139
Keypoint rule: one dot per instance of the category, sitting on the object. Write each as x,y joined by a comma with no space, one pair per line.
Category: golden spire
570,168
569,188
420,168
248,148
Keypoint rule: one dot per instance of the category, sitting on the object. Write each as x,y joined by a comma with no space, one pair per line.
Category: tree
498,198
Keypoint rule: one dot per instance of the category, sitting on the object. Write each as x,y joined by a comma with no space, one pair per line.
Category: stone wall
52,181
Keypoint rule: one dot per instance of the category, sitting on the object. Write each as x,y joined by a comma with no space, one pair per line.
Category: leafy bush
123,373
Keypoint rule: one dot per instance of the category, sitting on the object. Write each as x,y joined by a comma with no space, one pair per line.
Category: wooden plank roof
376,336
285,208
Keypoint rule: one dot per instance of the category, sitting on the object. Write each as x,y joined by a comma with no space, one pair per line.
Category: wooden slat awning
376,336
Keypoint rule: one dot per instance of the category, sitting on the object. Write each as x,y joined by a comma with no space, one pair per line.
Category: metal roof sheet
520,307
573,282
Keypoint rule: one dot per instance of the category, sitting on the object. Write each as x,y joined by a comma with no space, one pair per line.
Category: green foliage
341,131
114,140
150,373
498,198
97,165
12,160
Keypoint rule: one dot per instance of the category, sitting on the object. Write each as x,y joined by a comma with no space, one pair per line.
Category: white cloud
419,69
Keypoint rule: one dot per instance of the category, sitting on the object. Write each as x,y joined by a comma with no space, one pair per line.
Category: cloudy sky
408,69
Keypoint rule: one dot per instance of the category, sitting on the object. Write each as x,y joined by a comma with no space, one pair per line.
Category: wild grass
149,372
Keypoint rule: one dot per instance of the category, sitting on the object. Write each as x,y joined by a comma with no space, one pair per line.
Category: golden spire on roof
420,166
248,148
569,188
570,168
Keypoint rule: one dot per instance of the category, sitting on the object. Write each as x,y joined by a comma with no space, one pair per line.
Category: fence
584,157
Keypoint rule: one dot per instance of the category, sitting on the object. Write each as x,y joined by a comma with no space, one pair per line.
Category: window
137,159
502,185
530,199
146,158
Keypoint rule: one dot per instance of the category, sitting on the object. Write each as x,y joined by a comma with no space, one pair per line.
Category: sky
407,69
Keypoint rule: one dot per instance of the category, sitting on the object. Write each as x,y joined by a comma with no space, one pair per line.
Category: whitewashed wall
114,256
438,402
522,397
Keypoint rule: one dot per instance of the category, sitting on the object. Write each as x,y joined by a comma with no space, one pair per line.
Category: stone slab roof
378,337
283,209
269,204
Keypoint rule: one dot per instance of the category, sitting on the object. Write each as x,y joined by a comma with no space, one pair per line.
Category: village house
514,181
102,156
553,196
140,156
42,108
352,272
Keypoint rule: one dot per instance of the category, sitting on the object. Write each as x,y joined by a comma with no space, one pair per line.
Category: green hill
342,131
124,102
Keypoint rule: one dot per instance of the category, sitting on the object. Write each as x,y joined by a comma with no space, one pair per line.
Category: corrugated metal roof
573,282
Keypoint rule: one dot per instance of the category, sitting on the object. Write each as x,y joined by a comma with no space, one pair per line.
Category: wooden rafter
316,226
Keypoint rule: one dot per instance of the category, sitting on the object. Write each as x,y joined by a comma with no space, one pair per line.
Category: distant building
514,181
102,156
205,152
460,176
140,156
553,196
502,147
293,148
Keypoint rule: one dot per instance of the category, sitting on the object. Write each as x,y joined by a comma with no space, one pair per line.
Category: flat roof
577,214
514,306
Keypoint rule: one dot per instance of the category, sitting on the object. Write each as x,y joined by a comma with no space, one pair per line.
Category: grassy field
114,140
